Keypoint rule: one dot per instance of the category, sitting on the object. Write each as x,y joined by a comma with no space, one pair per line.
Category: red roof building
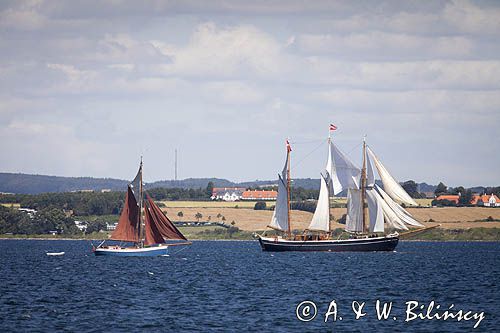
259,195
488,200
450,197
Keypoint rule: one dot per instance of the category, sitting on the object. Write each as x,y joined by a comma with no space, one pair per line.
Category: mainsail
279,221
321,218
127,229
342,173
376,212
354,218
391,186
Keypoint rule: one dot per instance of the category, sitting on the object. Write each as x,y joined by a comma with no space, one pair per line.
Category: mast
288,150
140,206
363,187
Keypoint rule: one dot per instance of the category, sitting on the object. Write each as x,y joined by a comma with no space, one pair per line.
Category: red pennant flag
333,127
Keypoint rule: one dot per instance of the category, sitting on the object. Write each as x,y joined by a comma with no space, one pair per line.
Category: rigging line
183,248
349,154
305,142
309,154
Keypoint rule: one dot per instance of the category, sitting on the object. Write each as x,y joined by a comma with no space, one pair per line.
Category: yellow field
251,220
424,202
13,205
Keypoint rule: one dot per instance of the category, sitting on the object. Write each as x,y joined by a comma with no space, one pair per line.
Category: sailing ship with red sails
371,210
143,229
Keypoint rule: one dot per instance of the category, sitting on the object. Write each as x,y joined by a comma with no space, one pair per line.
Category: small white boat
55,253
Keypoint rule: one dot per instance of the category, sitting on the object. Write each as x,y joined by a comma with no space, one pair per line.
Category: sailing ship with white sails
366,226
137,235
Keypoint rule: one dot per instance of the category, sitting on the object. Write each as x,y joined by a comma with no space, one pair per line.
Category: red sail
161,223
151,233
129,220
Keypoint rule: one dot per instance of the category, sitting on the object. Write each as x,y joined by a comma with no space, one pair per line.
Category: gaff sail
128,223
354,218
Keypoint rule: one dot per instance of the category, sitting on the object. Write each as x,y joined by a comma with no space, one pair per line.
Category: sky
87,87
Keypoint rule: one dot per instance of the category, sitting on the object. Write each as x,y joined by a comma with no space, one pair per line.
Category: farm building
259,195
227,193
485,200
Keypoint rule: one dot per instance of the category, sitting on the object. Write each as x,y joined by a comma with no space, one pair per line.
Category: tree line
44,221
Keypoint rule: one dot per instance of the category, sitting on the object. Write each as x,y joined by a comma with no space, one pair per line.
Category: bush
306,206
443,202
260,205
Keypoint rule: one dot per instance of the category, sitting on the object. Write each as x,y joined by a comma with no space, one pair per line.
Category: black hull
387,243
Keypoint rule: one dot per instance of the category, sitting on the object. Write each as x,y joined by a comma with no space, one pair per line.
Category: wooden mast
141,241
288,150
363,187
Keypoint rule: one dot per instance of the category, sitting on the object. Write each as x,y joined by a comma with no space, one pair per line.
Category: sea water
233,286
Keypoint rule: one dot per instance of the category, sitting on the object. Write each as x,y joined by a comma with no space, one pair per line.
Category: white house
227,193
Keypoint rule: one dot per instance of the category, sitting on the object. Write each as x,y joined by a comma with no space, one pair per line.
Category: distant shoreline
237,239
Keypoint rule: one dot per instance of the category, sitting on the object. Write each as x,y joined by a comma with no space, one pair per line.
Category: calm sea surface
234,286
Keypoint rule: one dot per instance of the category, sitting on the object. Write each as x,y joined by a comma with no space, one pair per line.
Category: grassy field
472,234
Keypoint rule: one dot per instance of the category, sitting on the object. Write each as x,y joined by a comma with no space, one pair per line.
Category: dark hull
387,243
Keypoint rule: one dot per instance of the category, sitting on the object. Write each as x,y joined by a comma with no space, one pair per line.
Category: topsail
342,173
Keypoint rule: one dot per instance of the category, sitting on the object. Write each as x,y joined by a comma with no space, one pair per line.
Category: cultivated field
252,220
9,205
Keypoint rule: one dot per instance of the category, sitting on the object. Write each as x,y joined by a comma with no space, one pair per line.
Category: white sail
279,220
321,218
390,217
376,212
370,177
391,186
343,174
354,219
398,210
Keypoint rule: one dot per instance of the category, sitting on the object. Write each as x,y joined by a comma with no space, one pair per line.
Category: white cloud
466,16
24,16
232,93
225,52
98,84
384,46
